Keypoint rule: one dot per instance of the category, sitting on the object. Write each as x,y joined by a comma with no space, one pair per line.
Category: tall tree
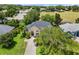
69,7
36,8
32,16
11,11
77,20
59,7
75,8
57,19
51,8
49,18
2,17
52,41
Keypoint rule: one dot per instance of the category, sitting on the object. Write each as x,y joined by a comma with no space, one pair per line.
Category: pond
5,29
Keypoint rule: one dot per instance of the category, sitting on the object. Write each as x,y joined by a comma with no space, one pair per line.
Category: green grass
66,16
18,49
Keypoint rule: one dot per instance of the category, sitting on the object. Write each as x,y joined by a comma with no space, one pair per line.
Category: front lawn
18,49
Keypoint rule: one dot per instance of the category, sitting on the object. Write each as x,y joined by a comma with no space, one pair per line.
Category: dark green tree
53,41
51,8
32,16
69,8
48,18
13,22
36,8
57,19
59,7
11,11
75,8
77,20
2,17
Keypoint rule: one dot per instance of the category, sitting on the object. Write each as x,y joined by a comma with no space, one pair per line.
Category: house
5,29
19,16
35,27
71,28
61,10
4,11
42,9
3,20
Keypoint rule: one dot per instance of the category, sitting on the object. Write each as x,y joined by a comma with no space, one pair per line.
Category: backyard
66,15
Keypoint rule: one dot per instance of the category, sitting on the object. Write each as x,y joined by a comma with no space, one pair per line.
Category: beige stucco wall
35,30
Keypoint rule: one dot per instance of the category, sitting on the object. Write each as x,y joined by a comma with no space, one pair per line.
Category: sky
48,4
23,2
39,1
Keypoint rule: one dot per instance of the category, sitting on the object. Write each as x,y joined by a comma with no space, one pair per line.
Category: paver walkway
30,47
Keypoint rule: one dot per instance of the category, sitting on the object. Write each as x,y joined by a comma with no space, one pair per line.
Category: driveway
30,47
77,39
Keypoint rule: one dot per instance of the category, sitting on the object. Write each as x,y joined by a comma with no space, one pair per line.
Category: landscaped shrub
31,16
13,22
27,35
38,41
24,34
9,44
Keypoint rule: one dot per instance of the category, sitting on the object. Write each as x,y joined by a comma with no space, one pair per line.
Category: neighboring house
35,27
42,9
24,11
20,15
71,28
9,18
61,10
4,11
5,29
2,20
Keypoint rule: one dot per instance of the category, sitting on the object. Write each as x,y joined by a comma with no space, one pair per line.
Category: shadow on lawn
9,45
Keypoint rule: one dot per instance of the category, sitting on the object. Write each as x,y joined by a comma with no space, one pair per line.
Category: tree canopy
57,19
77,20
54,41
49,18
75,8
31,16
11,10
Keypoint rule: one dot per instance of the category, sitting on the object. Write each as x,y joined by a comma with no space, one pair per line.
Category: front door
32,33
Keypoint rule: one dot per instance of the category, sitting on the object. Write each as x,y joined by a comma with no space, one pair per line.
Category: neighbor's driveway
30,47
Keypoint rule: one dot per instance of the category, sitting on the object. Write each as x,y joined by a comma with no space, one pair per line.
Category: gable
34,29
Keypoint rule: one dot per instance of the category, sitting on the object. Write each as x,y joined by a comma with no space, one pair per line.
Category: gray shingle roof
39,24
69,27
5,28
